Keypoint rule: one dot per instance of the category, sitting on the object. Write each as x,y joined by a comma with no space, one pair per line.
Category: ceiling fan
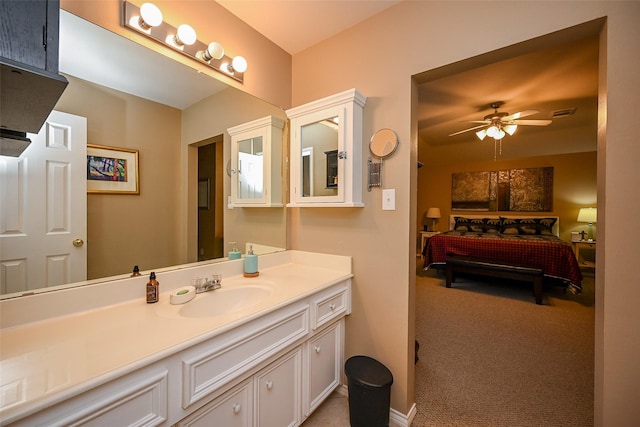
497,124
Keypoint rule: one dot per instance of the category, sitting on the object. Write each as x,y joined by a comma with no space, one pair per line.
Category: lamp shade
433,213
589,215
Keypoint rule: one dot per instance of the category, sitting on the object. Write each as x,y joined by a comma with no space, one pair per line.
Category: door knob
78,242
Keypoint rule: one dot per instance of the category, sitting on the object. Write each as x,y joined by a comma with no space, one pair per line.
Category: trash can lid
368,371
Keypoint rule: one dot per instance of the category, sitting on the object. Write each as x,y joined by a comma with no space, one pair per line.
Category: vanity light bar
167,35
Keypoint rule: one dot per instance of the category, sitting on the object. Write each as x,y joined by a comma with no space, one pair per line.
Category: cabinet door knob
236,408
269,385
317,349
332,307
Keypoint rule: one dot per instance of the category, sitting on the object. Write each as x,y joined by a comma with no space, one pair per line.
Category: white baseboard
398,419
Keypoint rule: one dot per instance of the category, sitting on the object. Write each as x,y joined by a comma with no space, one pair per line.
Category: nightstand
424,237
585,251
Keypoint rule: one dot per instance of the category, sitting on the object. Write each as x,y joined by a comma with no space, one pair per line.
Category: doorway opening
210,200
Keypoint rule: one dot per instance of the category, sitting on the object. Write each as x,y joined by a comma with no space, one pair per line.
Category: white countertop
51,360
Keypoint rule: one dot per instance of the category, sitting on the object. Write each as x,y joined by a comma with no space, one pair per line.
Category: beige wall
379,56
128,230
574,187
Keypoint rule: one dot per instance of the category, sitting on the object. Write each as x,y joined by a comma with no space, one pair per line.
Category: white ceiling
295,25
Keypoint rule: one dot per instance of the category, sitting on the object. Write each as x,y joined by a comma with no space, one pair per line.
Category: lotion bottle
153,289
251,263
234,253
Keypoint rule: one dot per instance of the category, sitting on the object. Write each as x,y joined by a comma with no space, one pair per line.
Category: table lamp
588,215
433,214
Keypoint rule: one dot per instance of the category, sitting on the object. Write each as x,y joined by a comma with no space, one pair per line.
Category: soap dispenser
234,253
251,264
153,289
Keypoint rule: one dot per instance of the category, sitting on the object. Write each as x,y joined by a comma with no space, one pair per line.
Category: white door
43,203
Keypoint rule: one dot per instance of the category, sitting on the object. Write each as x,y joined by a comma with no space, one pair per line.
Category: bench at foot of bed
458,264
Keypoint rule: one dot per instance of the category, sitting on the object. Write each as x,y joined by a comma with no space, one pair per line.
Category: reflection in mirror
319,144
127,107
250,168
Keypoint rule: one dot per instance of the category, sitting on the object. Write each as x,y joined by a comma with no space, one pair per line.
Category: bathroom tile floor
334,412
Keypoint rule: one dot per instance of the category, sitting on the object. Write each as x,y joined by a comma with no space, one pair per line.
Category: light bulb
239,64
481,134
150,16
510,129
186,35
213,51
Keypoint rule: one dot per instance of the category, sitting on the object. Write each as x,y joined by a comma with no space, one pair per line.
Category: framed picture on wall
112,170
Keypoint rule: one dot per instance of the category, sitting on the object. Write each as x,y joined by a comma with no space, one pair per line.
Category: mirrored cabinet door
326,152
256,163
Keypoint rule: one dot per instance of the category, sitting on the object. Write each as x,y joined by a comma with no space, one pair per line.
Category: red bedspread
554,256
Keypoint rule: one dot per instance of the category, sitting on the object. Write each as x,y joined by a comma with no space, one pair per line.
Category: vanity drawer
217,362
330,305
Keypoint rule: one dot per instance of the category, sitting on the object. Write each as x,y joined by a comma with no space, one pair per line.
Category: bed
507,240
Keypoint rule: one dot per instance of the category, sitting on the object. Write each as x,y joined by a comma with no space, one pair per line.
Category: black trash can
369,384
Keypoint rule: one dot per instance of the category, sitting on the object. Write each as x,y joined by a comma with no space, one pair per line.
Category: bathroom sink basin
225,301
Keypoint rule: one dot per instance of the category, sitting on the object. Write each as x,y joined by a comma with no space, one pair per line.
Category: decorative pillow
492,225
537,226
468,224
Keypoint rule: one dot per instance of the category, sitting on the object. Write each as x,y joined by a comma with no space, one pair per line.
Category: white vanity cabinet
271,369
326,152
325,362
233,409
256,163
278,391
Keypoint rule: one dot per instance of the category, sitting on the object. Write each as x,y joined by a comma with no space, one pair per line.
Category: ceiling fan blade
520,114
532,122
486,122
468,130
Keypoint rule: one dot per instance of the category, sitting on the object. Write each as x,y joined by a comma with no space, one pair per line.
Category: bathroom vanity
259,351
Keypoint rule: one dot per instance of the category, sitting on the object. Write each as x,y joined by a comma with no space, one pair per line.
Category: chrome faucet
205,285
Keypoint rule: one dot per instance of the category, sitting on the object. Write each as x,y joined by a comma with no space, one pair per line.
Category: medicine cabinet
326,152
256,163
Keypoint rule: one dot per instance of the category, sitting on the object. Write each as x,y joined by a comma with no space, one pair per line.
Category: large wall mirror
127,107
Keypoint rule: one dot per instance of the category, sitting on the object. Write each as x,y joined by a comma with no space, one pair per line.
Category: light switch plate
389,199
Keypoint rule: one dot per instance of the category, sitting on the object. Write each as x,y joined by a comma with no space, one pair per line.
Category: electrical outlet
389,199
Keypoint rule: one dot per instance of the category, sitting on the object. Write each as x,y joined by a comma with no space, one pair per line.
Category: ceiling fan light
481,134
499,134
510,129
492,131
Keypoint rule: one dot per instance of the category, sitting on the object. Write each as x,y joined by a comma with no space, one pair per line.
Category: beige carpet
489,356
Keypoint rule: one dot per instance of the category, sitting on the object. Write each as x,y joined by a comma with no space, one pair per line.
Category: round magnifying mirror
383,143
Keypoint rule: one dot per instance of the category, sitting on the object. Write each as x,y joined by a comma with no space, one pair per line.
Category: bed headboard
556,226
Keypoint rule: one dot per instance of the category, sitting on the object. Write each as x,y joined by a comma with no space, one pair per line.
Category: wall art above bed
515,190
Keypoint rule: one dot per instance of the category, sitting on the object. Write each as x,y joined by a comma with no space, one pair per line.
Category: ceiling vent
563,113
